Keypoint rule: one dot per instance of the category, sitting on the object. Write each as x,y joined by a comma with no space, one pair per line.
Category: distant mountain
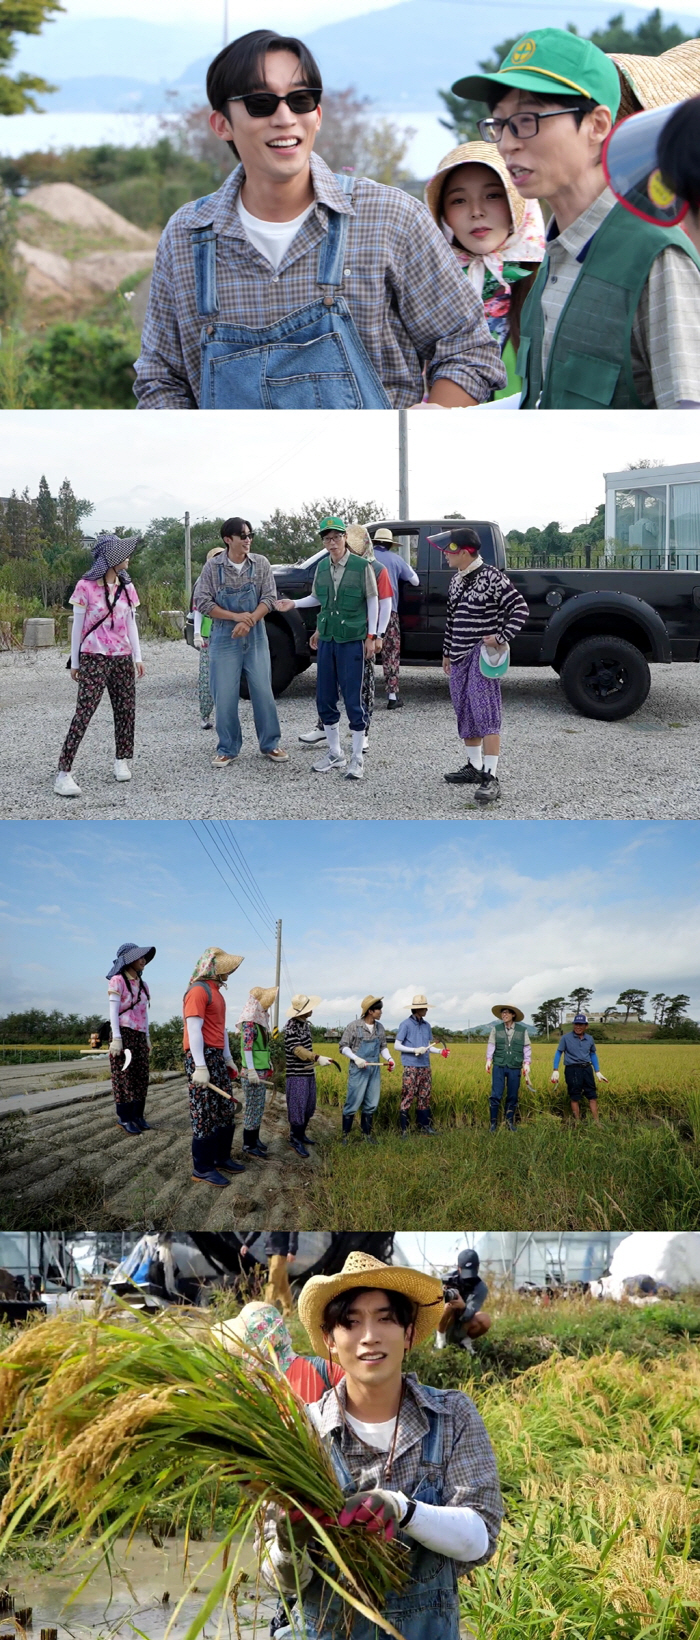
399,56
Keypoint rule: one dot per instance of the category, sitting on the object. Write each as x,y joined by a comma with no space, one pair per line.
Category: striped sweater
297,1034
482,604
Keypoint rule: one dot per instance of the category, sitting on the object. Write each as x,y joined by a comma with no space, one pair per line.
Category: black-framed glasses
519,125
246,535
261,104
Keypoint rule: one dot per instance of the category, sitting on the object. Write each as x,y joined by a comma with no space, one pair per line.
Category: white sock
333,738
475,755
358,742
491,764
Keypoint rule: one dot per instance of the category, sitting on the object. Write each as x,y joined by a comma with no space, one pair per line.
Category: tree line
669,1014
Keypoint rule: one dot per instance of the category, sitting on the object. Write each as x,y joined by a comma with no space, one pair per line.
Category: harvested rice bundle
105,1420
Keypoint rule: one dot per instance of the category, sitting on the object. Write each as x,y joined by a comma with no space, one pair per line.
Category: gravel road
646,767
146,1180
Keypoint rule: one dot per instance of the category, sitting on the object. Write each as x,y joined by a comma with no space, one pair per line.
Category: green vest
262,1058
343,612
510,1053
590,363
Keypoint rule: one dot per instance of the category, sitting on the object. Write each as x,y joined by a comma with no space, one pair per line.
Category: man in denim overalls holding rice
412,1460
237,590
294,289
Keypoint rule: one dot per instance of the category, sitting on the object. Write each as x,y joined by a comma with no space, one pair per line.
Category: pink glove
376,1511
444,1053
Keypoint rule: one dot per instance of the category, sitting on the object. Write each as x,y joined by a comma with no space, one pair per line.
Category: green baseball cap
552,62
330,523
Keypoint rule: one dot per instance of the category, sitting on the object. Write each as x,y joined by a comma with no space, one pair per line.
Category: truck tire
606,678
282,661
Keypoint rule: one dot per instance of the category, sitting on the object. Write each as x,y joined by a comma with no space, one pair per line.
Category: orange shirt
307,1382
198,1006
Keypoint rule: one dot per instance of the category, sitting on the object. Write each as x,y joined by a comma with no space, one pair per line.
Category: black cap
468,1259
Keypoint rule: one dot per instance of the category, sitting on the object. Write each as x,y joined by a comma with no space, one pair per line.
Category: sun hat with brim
258,1329
552,62
655,82
498,1010
360,541
369,1002
331,523
130,953
108,551
384,537
452,541
214,964
419,1000
301,1005
630,164
473,153
362,1270
494,663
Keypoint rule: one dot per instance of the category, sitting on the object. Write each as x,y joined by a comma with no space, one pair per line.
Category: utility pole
225,22
278,968
188,560
404,543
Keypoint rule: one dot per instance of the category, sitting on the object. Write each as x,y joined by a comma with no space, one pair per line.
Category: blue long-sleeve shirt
577,1050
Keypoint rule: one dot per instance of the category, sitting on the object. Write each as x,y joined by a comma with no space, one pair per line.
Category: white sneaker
365,744
329,762
313,737
64,784
121,769
355,769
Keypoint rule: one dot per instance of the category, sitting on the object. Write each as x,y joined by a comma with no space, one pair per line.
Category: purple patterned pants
476,699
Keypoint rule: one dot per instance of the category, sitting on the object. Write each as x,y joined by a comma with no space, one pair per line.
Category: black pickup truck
598,628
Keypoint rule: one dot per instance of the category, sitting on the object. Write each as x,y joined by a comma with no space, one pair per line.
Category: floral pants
207,1109
130,1086
115,673
391,654
254,1094
206,704
416,1084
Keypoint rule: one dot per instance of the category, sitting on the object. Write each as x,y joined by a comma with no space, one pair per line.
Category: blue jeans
339,671
506,1078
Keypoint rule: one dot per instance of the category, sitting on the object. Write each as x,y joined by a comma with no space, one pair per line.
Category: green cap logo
521,53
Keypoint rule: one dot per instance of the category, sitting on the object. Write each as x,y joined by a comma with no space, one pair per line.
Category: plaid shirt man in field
407,305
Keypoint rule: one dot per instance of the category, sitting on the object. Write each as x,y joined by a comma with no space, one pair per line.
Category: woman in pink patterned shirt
129,997
105,654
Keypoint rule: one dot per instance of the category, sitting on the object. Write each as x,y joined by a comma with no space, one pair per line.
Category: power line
210,828
203,845
246,868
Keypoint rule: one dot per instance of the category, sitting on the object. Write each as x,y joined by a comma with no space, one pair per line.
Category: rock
174,617
39,632
66,203
54,276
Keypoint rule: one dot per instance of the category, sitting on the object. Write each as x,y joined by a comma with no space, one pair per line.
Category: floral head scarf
260,1327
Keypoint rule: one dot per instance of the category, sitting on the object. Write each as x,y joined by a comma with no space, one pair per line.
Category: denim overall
313,359
364,1087
228,658
427,1607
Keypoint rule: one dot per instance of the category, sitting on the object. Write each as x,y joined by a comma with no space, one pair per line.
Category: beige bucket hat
265,995
371,1001
419,1000
362,1270
498,1010
473,153
385,537
656,82
301,1005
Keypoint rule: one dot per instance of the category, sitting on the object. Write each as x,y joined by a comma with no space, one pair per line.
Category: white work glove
554,1076
390,1064
231,1068
600,1077
361,1063
116,1046
323,1061
201,1077
199,641
488,1066
252,1077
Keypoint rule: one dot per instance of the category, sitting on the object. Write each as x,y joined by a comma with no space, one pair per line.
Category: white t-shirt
272,239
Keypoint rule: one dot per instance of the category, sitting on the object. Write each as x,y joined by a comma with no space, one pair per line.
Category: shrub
83,366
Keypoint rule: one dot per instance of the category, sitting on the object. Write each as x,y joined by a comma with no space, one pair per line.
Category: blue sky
525,911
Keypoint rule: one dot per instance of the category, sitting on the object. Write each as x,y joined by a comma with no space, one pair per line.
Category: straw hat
225,963
385,537
368,1002
362,1270
473,153
265,995
419,1000
359,540
302,1005
654,82
498,1010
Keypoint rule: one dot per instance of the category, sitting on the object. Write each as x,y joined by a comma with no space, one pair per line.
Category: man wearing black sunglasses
292,288
613,319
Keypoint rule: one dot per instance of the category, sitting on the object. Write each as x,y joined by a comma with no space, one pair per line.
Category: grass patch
618,1176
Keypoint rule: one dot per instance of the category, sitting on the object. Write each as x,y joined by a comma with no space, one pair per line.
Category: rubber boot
296,1139
250,1144
125,1118
224,1142
511,1113
425,1121
347,1128
405,1123
204,1170
139,1118
366,1125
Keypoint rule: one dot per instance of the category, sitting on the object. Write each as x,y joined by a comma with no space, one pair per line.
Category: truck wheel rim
605,678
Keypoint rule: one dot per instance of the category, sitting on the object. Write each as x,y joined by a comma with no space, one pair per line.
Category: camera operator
463,1318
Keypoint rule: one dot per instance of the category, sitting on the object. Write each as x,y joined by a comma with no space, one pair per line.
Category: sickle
126,1061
